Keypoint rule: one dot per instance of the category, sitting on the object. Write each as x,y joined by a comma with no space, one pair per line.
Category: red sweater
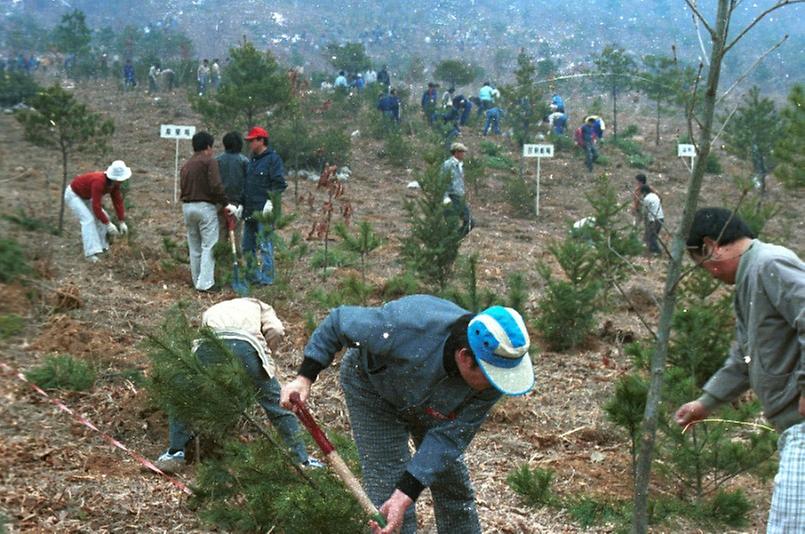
92,186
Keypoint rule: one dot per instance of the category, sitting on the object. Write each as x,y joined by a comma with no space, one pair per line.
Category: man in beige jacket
250,329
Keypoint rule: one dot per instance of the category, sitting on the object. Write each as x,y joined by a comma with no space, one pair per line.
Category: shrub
333,258
587,512
630,131
501,163
396,148
640,161
401,285
488,148
15,87
11,324
566,311
12,261
712,165
532,485
626,407
520,196
729,507
562,143
63,372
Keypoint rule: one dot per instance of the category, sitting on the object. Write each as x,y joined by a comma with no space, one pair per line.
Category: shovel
238,285
335,460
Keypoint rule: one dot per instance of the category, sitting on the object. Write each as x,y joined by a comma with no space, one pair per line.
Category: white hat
458,147
118,171
499,341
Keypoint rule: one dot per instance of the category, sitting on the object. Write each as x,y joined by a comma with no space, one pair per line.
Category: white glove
268,207
234,211
123,228
446,200
112,230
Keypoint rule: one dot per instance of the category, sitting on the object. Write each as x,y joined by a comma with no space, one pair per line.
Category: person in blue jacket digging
425,368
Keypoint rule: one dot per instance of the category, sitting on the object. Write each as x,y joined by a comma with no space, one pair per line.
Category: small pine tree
533,485
790,148
16,86
432,247
363,242
661,83
349,57
517,294
752,133
617,72
625,408
472,298
253,84
567,309
57,120
613,238
455,72
524,101
72,36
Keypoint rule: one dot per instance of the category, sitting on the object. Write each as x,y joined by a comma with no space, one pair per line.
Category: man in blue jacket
265,182
389,105
419,367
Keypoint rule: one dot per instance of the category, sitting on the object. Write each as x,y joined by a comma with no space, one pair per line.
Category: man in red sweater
84,195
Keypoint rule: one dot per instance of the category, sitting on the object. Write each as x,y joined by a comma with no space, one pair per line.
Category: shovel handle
334,459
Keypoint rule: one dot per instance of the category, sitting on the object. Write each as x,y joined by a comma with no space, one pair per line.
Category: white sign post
687,151
539,152
173,131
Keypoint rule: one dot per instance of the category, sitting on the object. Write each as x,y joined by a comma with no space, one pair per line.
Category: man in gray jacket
453,167
421,367
769,350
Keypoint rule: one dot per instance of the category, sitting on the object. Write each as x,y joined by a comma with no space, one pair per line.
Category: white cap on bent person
499,340
118,171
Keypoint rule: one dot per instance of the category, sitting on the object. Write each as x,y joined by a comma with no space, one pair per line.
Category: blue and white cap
499,340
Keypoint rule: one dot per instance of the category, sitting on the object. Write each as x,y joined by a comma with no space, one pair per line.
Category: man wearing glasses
768,354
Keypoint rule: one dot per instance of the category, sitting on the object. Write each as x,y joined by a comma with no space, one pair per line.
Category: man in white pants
84,195
202,189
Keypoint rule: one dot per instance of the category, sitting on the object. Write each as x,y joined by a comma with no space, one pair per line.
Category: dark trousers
651,234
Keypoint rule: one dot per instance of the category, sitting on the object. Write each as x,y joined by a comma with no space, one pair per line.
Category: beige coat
249,320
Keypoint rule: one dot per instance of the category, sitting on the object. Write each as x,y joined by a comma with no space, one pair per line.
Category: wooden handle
352,484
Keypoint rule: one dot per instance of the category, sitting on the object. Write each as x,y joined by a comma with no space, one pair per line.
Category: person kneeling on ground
248,328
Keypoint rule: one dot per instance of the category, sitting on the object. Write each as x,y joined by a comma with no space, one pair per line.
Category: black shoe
211,289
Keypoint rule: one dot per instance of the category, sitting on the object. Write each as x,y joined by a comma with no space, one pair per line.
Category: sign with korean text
175,131
686,151
537,151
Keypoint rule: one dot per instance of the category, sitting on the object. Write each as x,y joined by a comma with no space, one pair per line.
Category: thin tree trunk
658,359
657,140
63,188
614,113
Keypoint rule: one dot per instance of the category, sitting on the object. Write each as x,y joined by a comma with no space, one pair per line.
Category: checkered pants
381,434
787,514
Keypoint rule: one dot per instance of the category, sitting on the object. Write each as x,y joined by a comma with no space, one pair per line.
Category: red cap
256,132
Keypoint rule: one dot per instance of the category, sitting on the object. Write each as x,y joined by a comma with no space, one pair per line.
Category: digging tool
238,285
334,459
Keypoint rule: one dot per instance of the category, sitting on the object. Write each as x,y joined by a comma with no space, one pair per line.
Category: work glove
124,229
234,211
446,200
268,207
112,230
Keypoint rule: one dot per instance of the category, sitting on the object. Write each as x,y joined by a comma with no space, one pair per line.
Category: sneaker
211,289
171,462
312,463
93,259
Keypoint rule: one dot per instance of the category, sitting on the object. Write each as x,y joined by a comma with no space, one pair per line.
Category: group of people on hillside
434,376
360,81
455,110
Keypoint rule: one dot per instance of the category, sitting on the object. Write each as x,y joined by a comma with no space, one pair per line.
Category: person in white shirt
653,216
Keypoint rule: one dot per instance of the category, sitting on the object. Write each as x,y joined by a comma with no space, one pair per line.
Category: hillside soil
58,476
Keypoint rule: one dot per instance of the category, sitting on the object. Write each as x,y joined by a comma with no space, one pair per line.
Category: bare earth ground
57,476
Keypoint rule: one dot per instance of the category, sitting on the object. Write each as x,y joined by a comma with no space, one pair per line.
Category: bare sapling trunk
63,187
660,355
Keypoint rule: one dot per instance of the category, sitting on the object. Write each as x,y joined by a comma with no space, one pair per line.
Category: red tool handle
316,432
231,221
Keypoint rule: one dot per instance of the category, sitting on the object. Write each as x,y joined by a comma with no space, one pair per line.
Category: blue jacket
265,174
390,105
401,350
429,99
232,167
588,133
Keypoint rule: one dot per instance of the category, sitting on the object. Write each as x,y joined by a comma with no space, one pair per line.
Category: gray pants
381,434
201,219
268,395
